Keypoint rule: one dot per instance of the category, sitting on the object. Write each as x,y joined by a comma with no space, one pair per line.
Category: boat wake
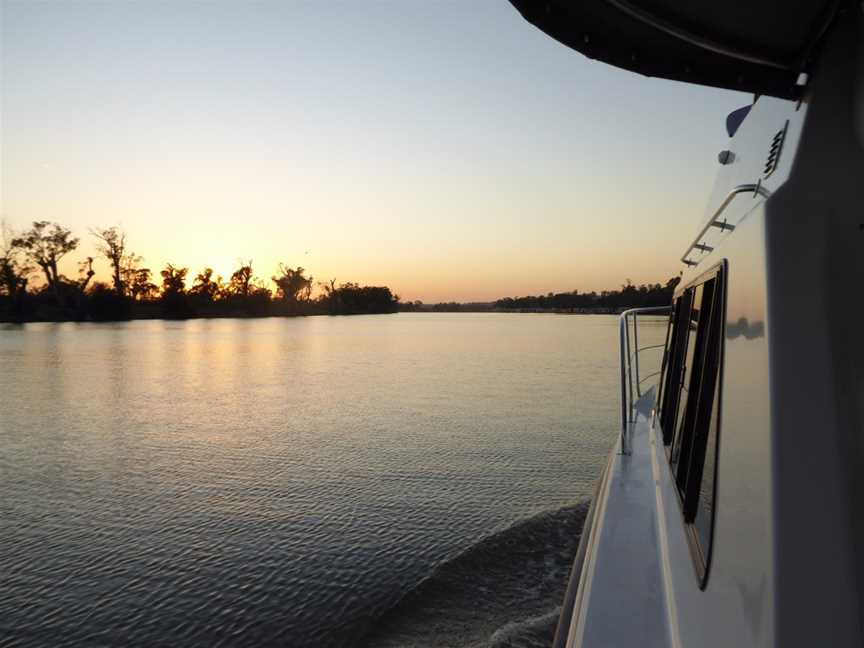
504,591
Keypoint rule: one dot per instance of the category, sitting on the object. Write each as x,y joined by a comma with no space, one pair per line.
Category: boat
731,509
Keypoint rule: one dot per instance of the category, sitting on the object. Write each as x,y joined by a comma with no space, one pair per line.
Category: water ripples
288,482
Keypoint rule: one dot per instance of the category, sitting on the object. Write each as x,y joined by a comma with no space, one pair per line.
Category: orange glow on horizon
467,172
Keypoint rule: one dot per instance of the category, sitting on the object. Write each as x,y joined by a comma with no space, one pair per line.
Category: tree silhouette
111,243
140,286
45,243
105,303
14,270
130,269
85,270
329,296
174,302
205,287
629,296
246,293
173,280
353,299
134,293
292,285
240,284
13,282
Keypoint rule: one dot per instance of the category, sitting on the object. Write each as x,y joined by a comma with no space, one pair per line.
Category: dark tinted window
689,414
691,342
705,504
673,364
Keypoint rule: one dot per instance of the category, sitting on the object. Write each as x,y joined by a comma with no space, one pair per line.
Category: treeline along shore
605,302
33,289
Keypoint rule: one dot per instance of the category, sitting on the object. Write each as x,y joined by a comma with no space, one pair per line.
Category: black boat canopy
758,46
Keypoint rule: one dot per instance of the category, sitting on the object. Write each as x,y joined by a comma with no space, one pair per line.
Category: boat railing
632,380
698,244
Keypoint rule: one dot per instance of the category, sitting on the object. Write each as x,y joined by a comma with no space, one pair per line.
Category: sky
449,150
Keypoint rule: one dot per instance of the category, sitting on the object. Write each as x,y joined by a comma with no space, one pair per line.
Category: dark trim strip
699,40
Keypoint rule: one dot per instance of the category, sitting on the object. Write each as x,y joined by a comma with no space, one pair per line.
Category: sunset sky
449,150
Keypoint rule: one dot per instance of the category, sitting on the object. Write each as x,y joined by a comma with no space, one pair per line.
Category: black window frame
703,408
673,361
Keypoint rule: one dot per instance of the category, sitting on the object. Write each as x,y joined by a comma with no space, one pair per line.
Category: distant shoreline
428,311
607,302
133,295
555,311
155,311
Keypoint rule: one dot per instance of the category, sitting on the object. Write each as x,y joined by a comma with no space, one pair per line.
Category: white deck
622,600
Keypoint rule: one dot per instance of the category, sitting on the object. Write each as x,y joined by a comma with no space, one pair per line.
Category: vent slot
774,151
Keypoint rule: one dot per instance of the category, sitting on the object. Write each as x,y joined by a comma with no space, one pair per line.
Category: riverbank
103,304
469,308
155,312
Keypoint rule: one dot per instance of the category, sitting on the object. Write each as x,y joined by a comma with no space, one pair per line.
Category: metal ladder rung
723,225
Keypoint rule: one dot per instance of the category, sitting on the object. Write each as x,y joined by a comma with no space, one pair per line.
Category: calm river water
400,479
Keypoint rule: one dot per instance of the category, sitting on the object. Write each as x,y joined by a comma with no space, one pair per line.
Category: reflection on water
278,481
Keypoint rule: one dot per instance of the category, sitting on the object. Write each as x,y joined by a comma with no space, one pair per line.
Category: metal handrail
630,363
756,189
653,346
651,375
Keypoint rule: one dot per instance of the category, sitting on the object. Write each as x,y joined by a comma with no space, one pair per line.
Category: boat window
705,513
697,353
661,391
689,415
673,363
689,370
